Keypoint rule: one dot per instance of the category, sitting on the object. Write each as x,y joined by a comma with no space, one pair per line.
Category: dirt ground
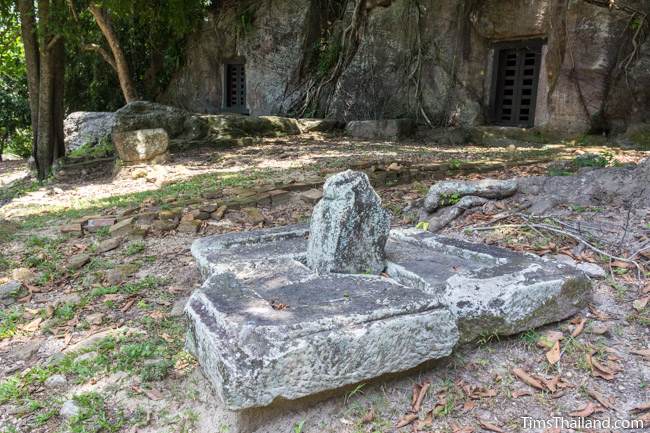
100,348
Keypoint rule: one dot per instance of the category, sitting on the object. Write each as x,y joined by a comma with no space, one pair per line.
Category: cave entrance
515,81
235,86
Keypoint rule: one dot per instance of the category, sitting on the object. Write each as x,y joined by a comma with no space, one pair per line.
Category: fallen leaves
489,426
553,355
645,353
419,392
579,323
528,379
587,410
598,369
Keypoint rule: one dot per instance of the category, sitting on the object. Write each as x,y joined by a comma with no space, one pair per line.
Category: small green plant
449,199
422,225
8,320
94,416
455,164
134,248
595,160
297,428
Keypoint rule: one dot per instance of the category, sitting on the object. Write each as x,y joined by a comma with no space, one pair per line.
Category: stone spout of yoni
349,228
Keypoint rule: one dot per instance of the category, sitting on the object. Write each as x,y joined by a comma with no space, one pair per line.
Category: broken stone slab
95,224
490,290
349,227
446,192
275,329
389,129
264,326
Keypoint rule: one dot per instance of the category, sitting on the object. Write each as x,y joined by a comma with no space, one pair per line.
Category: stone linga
349,227
270,322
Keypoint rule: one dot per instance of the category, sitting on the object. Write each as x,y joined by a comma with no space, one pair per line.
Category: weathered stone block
141,145
389,129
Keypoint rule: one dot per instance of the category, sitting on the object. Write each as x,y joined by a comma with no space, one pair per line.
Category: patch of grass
188,190
529,338
134,248
147,283
10,390
9,318
595,160
42,253
94,416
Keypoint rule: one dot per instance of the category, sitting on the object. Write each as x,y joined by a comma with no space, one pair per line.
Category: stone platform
264,326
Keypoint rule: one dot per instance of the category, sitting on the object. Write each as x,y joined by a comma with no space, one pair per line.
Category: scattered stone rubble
265,325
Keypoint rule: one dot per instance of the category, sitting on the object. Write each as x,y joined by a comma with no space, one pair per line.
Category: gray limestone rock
349,227
8,292
444,216
87,128
444,193
69,409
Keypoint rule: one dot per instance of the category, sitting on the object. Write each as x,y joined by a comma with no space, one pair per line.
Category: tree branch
102,52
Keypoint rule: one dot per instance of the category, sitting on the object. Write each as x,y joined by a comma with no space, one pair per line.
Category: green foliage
328,55
14,104
246,16
152,35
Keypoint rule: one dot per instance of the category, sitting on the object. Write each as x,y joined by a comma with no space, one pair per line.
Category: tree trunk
104,22
44,134
58,107
30,44
45,69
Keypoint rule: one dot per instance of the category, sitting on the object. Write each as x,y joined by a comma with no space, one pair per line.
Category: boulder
349,227
449,192
141,145
139,115
87,128
389,129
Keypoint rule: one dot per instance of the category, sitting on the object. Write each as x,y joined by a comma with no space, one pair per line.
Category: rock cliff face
427,59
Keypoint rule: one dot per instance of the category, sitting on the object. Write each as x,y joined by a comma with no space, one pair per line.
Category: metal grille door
516,84
235,88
